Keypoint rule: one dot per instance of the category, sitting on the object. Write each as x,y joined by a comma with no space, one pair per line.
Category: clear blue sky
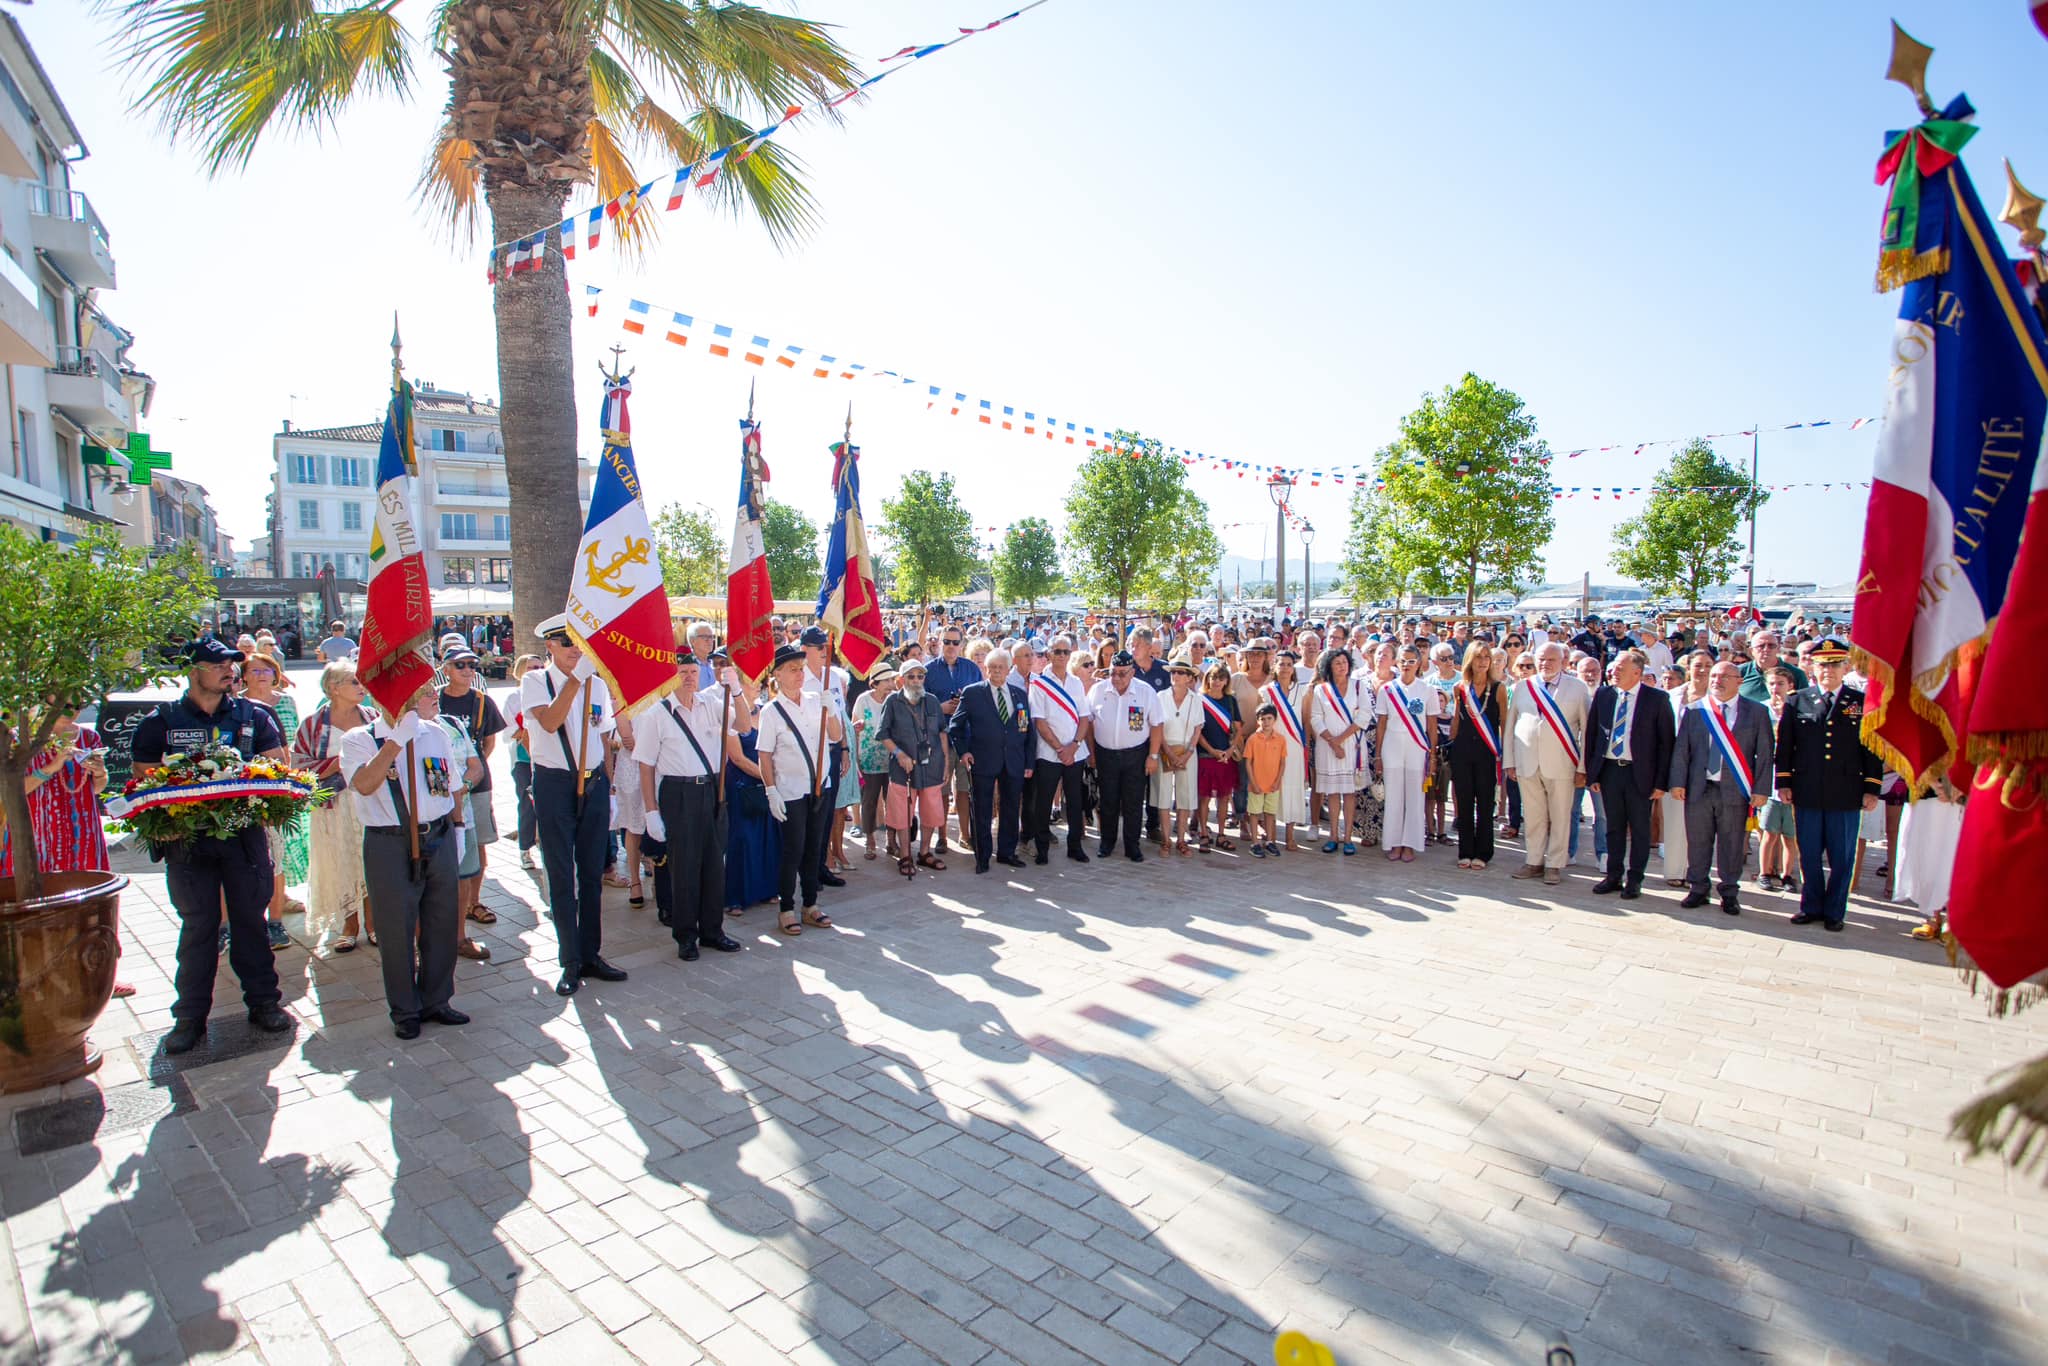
1252,230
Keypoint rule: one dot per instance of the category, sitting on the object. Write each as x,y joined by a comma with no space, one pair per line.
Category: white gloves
655,829
776,806
586,668
461,833
405,730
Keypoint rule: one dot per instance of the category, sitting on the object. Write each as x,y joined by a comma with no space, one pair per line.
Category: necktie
1714,751
1620,744
1003,705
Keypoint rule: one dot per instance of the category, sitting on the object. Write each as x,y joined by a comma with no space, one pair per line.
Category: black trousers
805,821
1121,773
418,921
830,798
1472,786
573,841
1628,825
198,873
1718,828
696,826
1047,778
529,823
987,787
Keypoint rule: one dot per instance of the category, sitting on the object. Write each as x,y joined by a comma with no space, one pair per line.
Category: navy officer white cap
554,624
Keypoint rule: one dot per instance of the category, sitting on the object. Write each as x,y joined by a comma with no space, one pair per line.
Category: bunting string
644,318
584,228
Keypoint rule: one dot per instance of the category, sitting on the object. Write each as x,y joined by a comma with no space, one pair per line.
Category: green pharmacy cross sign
142,461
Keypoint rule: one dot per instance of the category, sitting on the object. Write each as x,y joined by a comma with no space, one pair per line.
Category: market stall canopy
692,608
472,599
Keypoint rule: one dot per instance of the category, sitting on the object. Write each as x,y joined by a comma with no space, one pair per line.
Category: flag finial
613,374
1909,66
397,364
750,400
849,422
2023,211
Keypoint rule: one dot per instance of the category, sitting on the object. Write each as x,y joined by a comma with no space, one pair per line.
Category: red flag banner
399,617
749,596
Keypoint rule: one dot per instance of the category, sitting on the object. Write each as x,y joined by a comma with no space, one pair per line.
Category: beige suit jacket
1533,747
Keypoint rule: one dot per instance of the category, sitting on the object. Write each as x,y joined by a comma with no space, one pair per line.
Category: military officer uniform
1829,772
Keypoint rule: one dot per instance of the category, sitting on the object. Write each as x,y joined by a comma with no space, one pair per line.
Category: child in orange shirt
1266,756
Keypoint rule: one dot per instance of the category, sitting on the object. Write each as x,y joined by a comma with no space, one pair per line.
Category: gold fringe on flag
2013,1119
1902,265
1999,1001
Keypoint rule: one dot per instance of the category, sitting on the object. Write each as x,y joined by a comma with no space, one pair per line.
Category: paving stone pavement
1106,1114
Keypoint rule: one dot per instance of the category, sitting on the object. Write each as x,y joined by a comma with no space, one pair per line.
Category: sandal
614,880
483,915
785,921
294,906
1407,856
638,897
1925,930
124,989
345,944
931,861
473,951
816,918
907,866
1224,843
870,856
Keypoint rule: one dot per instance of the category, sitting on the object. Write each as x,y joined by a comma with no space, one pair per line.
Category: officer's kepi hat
556,625
1830,651
208,650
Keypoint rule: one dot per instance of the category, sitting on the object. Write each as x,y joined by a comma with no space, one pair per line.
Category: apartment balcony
481,543
457,493
18,159
85,386
24,332
72,235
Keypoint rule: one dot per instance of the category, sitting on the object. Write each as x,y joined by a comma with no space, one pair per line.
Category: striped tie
1620,726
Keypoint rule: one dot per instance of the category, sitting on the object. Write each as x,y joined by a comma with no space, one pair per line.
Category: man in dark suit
1830,778
991,732
1721,775
1628,757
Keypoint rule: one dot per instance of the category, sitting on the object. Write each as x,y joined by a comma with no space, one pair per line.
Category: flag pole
832,636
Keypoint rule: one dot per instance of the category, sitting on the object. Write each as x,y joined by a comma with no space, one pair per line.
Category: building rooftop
369,433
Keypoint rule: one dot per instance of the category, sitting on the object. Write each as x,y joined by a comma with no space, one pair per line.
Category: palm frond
450,185
225,72
613,87
769,182
633,233
725,55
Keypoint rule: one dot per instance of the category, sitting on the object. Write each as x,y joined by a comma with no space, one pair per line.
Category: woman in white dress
630,819
1173,786
336,898
1289,686
1339,708
1407,710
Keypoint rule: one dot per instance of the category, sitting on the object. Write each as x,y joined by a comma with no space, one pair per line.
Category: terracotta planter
57,959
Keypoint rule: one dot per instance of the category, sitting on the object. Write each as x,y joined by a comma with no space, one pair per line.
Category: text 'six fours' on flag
618,609
399,615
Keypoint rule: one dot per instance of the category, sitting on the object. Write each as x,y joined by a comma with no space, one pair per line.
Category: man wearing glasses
946,678
1059,710
463,702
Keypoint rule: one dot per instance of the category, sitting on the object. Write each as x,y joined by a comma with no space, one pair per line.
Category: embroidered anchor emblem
607,578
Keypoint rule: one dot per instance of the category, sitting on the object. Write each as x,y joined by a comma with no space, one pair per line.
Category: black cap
718,656
787,654
208,650
1123,659
814,635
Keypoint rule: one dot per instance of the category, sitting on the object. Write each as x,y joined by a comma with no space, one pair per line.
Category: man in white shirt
792,725
678,747
1059,711
821,675
1124,725
401,778
1546,730
568,713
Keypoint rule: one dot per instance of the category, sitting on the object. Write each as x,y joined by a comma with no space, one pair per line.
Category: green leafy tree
545,98
1468,487
795,564
1115,516
931,536
1027,565
78,623
1185,559
692,550
1379,560
1684,540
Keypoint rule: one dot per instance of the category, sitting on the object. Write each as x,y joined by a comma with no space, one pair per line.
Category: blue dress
753,844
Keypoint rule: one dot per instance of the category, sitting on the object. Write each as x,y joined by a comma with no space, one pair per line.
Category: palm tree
544,96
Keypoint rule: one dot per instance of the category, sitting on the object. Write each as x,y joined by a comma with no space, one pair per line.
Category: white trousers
1547,818
1401,825
1674,837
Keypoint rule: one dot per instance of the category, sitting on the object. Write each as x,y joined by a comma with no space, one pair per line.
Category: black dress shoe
1730,906
1837,926
603,971
184,1036
724,943
1135,857
1104,852
1606,885
663,917
980,867
687,950
1078,855
1693,900
1632,891
270,1019
831,880
1041,858
446,1015
1807,917
571,979
407,1029
1011,862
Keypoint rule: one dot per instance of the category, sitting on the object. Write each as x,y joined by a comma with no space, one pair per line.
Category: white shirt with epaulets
781,721
544,747
659,743
433,776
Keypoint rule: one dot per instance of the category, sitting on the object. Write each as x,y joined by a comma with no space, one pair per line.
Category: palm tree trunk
538,396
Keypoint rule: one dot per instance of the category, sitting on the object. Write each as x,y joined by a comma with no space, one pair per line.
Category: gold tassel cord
1903,265
2012,1120
1999,1001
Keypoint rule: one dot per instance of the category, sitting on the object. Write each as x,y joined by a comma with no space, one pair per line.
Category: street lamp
1277,488
991,548
1308,568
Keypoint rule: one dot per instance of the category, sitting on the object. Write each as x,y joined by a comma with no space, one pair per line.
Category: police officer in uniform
676,745
568,714
1830,778
402,779
202,874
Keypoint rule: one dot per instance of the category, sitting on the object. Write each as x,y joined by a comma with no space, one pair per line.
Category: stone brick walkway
1112,1114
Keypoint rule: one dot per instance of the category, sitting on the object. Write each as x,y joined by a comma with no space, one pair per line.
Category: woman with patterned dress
1371,811
753,839
1338,707
336,898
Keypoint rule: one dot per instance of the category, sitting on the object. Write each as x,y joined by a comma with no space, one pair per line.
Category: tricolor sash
1057,695
1289,722
1487,731
1731,753
1400,709
1336,700
1216,713
1547,705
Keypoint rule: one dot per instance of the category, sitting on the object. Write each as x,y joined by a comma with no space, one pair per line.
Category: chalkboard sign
118,716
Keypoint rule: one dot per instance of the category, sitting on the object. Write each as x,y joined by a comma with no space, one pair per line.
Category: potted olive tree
76,623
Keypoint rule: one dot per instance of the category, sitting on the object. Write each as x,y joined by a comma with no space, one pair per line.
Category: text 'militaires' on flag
617,608
399,616
1964,414
749,596
848,605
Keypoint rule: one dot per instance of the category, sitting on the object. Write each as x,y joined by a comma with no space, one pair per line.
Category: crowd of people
996,740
